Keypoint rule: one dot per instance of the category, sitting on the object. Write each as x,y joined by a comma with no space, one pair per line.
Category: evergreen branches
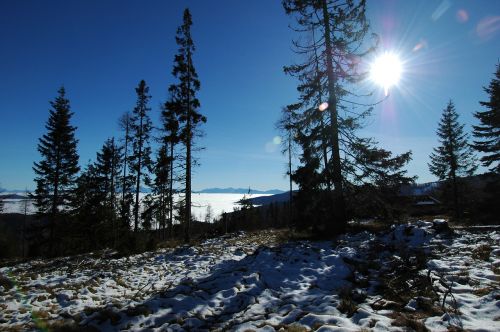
487,133
454,157
332,155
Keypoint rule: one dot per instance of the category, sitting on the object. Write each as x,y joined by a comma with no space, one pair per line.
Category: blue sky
100,50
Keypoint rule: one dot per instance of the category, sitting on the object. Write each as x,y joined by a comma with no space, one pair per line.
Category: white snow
252,281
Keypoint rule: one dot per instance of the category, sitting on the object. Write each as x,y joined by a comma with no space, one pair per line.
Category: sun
386,70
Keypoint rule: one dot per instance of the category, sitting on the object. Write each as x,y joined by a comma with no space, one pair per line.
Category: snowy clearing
417,276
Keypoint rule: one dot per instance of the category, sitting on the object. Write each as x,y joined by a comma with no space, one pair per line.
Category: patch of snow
249,281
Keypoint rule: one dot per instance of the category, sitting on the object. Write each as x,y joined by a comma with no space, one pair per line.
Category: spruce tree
385,174
329,112
161,190
170,139
108,168
183,95
108,164
140,129
89,212
454,157
57,170
487,133
95,204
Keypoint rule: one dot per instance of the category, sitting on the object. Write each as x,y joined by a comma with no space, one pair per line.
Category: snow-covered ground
218,202
409,276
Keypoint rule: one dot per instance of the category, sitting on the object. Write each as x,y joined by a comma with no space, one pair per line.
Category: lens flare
462,16
441,9
422,44
323,106
488,27
386,70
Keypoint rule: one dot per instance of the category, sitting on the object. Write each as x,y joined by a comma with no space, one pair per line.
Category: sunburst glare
386,70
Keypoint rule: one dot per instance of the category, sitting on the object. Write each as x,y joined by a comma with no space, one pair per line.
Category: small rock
440,225
358,295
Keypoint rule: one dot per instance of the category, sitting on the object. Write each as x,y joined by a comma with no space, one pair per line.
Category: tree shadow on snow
235,292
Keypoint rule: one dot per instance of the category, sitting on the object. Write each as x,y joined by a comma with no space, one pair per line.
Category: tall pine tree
454,157
286,124
487,133
56,172
127,180
140,129
183,96
329,112
170,139
487,141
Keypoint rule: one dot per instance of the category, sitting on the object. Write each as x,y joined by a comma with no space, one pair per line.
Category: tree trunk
138,183
188,155
455,195
325,157
290,206
54,210
338,194
112,191
171,192
323,140
125,161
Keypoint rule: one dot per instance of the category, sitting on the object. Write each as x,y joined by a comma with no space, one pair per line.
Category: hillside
408,276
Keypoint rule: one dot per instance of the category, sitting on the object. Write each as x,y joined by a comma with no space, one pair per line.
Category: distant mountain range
203,191
239,191
3,190
12,196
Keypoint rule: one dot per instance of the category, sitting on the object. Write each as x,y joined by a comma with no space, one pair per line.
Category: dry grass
483,291
140,310
170,244
293,235
5,282
120,282
482,252
17,328
373,227
428,308
109,314
405,320
41,314
383,304
294,328
347,305
68,327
